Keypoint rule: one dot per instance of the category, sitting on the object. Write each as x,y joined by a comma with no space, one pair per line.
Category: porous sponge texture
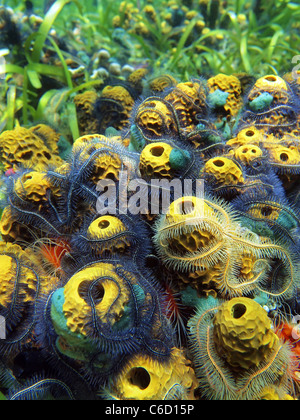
76,309
155,118
224,170
20,274
8,273
49,136
123,97
108,231
243,334
272,84
33,186
155,160
105,227
22,147
145,378
231,85
85,103
188,100
248,153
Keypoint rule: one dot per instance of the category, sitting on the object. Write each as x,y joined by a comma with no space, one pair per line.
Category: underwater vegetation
150,225
50,57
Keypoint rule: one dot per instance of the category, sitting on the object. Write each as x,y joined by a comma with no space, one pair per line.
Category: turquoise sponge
262,102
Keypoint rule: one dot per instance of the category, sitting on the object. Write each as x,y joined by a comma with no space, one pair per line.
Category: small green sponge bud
179,158
262,102
217,98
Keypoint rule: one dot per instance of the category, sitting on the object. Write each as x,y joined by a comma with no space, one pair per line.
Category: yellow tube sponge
249,135
282,156
236,355
156,117
106,157
22,147
248,153
107,166
272,104
271,83
49,136
136,78
92,139
108,229
161,83
85,103
21,276
7,276
224,170
207,233
33,186
243,334
232,86
9,227
109,296
120,95
161,160
144,378
181,241
154,161
189,100
272,393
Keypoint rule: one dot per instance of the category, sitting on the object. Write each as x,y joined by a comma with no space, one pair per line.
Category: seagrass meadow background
149,200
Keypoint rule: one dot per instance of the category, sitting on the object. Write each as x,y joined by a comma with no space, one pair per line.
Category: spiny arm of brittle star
282,292
259,245
220,210
192,220
254,279
262,370
280,249
219,370
216,248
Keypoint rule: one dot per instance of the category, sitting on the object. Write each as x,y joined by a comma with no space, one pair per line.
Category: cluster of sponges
102,309
208,240
272,122
22,281
118,312
111,107
242,236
